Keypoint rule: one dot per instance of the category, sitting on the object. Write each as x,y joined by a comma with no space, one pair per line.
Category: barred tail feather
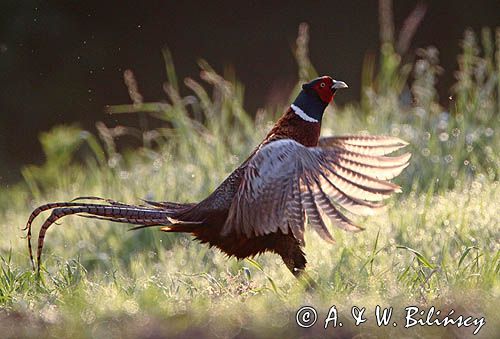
115,212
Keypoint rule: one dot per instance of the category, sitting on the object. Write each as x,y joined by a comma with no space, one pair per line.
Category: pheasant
292,176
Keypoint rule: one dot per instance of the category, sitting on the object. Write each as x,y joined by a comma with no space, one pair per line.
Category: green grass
438,244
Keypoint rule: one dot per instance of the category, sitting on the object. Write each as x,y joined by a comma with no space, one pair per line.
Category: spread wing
284,181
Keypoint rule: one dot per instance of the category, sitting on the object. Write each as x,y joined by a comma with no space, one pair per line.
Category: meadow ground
437,244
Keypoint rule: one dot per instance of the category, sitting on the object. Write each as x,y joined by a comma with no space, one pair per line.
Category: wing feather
324,202
294,214
365,144
353,205
313,214
284,181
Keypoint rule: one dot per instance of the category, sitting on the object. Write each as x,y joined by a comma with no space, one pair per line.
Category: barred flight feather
363,180
295,213
313,214
339,219
355,190
367,145
383,173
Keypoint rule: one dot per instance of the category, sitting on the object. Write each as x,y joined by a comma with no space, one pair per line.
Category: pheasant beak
338,85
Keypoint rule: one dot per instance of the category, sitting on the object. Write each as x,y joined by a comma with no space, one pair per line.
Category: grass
438,244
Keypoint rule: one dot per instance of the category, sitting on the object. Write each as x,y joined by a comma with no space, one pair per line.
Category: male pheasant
263,205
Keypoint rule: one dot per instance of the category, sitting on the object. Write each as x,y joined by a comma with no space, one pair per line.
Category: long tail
142,216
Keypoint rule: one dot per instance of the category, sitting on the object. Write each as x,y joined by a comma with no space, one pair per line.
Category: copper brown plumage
291,177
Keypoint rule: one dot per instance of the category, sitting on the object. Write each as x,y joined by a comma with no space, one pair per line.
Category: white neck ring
302,114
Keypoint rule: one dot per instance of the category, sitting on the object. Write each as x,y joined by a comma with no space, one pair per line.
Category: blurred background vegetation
169,137
62,62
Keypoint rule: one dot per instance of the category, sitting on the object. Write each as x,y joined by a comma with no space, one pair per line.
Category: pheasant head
311,102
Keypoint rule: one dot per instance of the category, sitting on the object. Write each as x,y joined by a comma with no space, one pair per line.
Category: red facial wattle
324,90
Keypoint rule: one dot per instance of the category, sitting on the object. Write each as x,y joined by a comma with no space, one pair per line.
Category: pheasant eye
322,85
